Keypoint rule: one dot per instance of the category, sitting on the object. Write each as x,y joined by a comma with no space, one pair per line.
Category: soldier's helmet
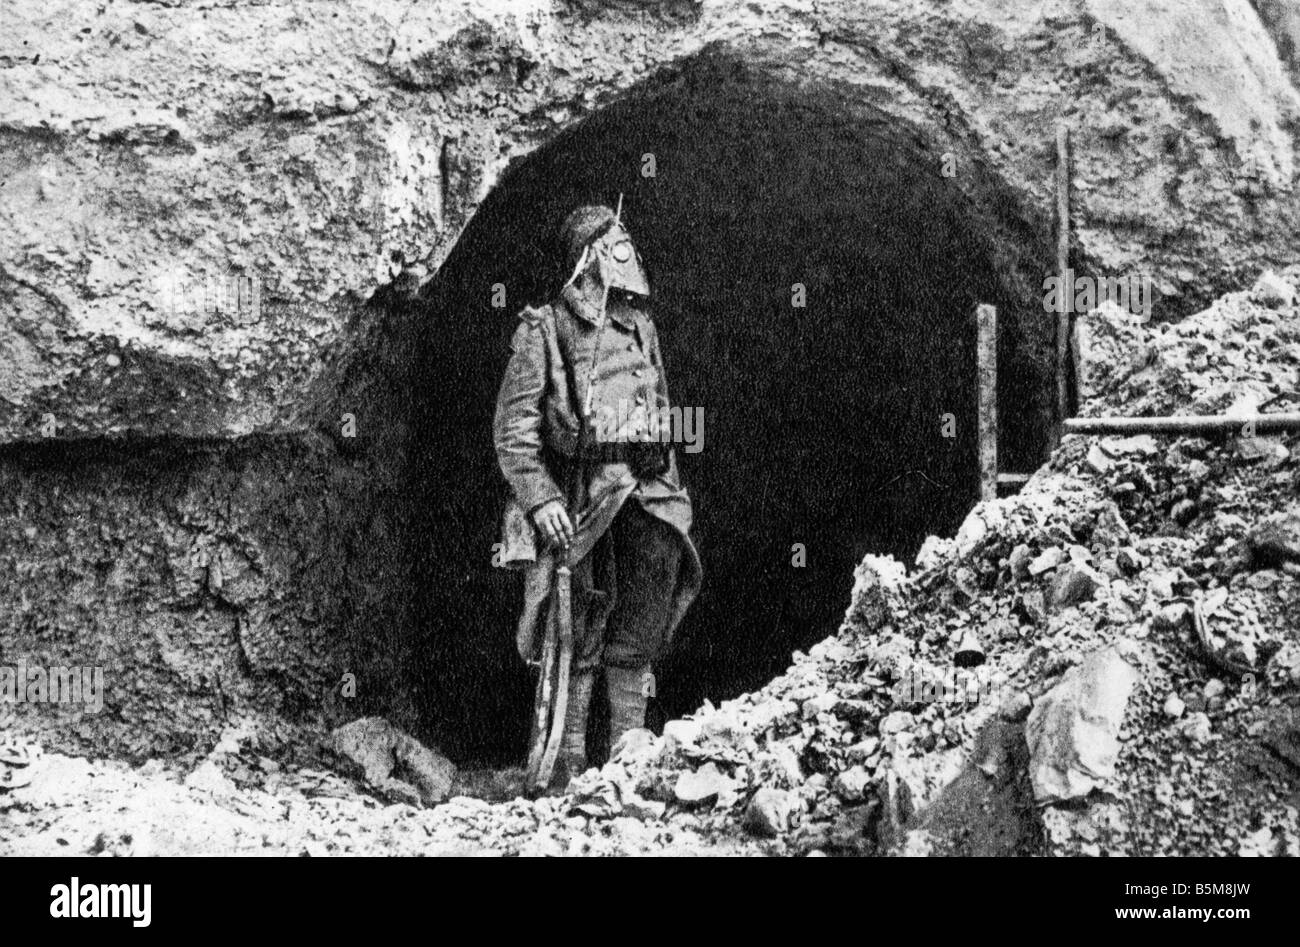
580,228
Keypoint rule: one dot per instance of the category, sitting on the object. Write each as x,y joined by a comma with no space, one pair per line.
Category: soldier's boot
573,740
628,692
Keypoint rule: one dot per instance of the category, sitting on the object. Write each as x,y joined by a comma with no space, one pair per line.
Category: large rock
1273,291
768,812
1276,540
1073,584
1073,729
394,763
704,784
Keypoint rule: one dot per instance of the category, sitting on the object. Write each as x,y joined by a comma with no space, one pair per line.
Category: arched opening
823,424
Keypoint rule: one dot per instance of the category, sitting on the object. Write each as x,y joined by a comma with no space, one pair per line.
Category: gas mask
620,263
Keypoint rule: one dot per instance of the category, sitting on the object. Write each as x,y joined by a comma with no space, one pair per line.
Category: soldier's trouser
622,626
638,562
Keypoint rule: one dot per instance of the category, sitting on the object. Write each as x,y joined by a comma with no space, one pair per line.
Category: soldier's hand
553,522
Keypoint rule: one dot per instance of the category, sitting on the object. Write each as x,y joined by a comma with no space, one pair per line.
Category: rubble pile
1106,663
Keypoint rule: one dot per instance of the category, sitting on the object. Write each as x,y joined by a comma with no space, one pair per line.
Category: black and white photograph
650,428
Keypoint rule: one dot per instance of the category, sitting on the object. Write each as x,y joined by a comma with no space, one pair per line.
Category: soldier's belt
616,452
646,460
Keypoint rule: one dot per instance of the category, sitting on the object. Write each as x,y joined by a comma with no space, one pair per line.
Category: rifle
551,700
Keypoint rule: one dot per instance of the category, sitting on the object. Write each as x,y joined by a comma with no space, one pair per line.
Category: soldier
571,432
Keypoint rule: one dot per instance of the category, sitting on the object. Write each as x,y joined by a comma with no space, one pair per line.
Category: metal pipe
1246,425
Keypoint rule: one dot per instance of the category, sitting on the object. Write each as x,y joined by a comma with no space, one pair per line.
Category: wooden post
1077,334
986,318
1063,270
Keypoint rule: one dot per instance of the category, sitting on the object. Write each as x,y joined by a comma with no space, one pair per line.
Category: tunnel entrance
823,424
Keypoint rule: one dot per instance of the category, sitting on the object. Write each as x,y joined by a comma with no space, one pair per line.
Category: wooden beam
1016,479
1187,424
1063,270
986,318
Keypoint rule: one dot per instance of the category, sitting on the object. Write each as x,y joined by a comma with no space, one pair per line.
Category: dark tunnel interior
823,424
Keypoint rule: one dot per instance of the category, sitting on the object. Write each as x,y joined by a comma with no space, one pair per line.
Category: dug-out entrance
824,423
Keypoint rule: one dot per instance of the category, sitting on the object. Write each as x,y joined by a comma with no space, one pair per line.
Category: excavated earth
223,498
